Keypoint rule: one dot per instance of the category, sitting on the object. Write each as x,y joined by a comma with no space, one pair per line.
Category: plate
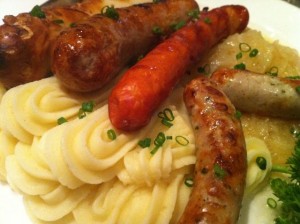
262,18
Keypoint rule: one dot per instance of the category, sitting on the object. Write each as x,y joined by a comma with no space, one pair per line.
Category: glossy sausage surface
26,41
91,54
260,93
221,165
148,83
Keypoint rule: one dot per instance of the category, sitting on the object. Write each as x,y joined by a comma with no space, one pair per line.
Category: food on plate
149,82
262,94
26,40
89,55
60,151
221,166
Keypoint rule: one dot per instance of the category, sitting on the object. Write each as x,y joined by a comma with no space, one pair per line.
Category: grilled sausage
148,83
26,41
221,165
259,93
91,54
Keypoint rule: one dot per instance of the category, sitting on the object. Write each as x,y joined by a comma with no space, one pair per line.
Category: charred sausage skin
221,165
148,83
260,93
88,56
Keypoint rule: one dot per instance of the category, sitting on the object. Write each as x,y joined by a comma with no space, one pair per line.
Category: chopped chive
88,106
244,47
37,11
182,140
81,113
194,14
261,162
271,203
158,142
238,114
297,89
110,12
145,142
167,117
178,25
239,55
273,71
157,30
204,69
253,53
111,134
189,181
293,77
240,66
61,120
220,173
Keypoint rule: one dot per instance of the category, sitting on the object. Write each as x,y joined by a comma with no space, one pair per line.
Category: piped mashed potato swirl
57,167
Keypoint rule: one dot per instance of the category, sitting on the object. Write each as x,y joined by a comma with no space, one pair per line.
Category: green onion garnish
61,120
194,14
271,203
273,71
261,162
36,11
110,12
238,114
244,47
189,181
158,142
182,140
253,53
239,56
220,173
81,113
157,30
167,117
145,142
111,134
297,89
178,25
88,106
240,66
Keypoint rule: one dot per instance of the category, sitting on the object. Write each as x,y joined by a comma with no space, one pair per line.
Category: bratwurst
91,54
260,93
26,40
221,166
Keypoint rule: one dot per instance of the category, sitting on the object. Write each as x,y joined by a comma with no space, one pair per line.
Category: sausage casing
260,93
26,41
92,53
221,165
149,82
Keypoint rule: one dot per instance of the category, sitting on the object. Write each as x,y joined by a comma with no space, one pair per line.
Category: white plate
275,18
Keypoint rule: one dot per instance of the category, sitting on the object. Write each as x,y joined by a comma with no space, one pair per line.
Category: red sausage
148,83
221,165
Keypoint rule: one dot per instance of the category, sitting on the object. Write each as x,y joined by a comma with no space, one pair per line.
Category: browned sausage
221,166
260,93
148,83
92,53
26,41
